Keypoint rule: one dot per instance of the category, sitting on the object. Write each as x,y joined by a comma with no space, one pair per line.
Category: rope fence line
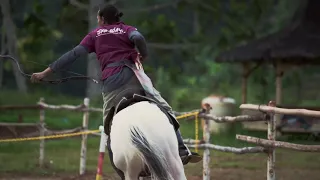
73,134
48,137
266,146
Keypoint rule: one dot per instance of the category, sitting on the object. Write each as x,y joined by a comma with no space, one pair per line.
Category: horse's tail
152,156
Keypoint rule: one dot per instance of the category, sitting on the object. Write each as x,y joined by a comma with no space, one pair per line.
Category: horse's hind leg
175,165
130,171
131,165
134,169
120,173
132,176
177,169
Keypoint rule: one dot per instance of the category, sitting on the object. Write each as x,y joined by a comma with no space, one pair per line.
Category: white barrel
221,106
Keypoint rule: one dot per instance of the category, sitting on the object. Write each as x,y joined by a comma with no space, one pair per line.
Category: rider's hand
138,62
37,77
142,58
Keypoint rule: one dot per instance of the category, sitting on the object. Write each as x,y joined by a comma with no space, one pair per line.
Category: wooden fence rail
279,144
276,110
244,150
42,106
267,146
271,144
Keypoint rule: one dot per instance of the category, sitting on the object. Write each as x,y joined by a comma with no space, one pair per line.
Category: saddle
129,97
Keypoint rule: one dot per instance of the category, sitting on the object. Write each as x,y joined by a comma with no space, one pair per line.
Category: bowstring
28,75
44,65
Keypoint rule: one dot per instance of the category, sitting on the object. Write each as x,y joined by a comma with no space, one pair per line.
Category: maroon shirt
111,43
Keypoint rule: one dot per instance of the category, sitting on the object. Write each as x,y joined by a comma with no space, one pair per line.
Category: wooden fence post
83,152
271,175
206,153
42,133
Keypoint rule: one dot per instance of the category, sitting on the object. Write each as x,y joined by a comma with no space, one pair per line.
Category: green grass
63,155
60,156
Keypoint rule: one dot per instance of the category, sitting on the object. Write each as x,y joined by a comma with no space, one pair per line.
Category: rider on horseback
114,44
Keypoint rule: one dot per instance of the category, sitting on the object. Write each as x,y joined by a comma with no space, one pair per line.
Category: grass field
62,159
62,156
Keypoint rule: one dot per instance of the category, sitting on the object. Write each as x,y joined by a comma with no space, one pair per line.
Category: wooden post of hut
279,75
244,88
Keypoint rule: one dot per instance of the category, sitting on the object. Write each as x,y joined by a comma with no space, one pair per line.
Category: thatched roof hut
296,44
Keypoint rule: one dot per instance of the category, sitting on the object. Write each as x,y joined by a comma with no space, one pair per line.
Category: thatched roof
299,42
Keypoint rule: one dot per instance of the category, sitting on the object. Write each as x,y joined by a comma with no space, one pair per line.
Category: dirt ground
258,173
219,174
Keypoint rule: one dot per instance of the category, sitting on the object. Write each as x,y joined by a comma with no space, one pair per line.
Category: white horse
142,137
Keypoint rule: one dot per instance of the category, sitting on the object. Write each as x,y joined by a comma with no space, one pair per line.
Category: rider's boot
185,154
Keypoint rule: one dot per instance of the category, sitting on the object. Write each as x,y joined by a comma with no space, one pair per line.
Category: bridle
57,81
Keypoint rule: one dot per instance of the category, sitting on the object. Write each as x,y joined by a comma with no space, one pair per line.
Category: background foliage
184,38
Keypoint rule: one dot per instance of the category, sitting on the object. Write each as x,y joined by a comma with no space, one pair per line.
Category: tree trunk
3,50
11,43
93,66
1,73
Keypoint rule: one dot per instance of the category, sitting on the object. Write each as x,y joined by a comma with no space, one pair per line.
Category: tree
93,67
9,43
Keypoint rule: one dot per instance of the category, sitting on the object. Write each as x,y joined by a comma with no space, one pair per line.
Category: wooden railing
267,146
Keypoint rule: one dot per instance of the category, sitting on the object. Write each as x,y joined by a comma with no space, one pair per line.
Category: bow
57,81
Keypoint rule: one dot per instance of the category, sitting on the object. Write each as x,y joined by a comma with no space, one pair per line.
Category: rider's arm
69,58
137,38
86,46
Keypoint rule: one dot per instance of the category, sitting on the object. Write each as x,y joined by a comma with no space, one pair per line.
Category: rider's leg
185,154
109,96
